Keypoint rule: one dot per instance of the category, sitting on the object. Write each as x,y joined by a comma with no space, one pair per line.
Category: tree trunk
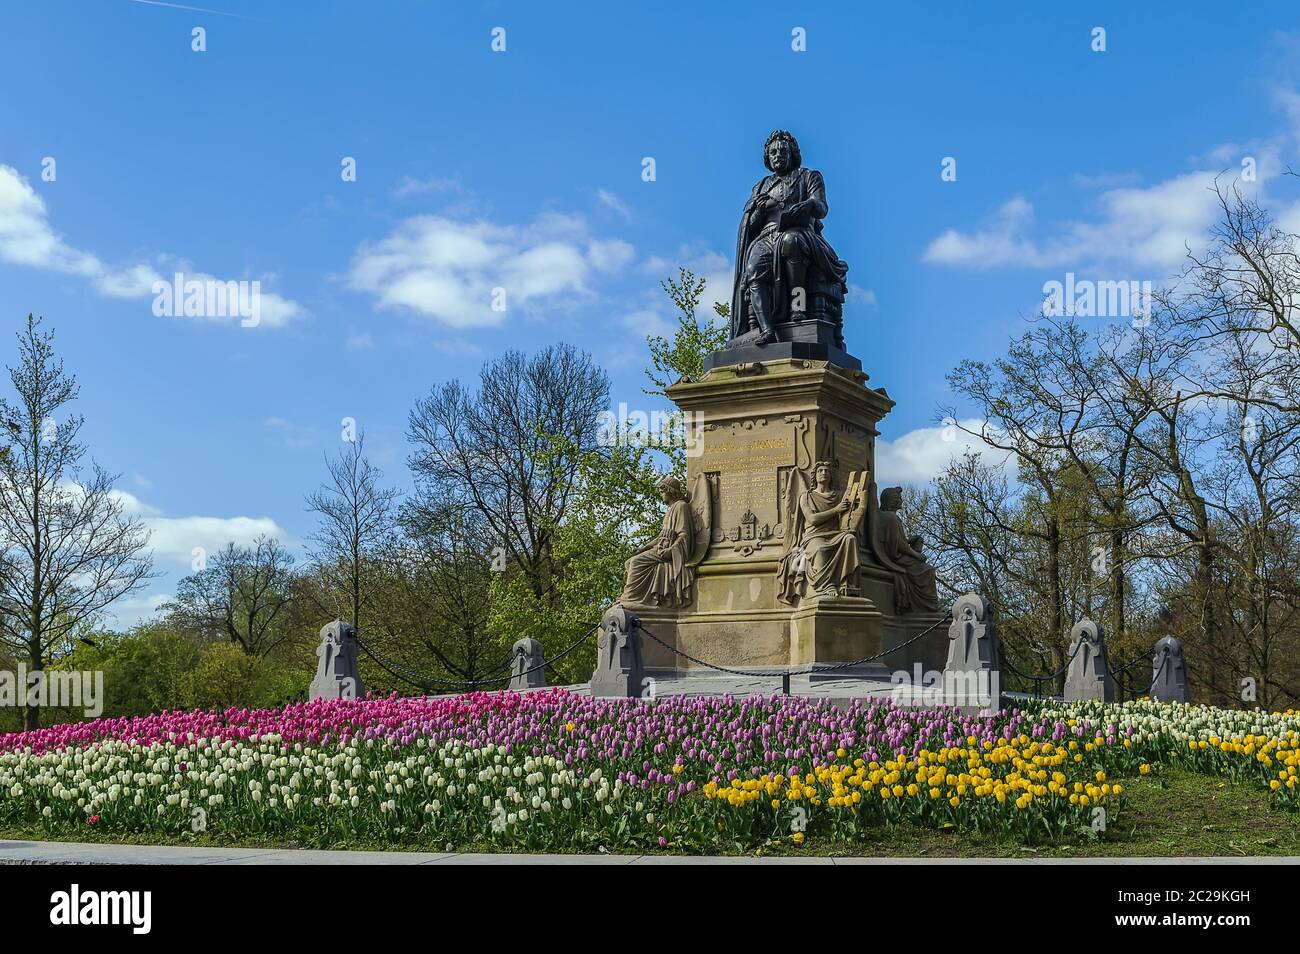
32,713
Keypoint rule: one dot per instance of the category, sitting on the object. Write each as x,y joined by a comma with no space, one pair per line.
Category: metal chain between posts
1154,680
1048,678
785,674
1131,663
420,682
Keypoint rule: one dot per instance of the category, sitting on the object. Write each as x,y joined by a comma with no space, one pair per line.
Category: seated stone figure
822,558
914,580
662,572
786,271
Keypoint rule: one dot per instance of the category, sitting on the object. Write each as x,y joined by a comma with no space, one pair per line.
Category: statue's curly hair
795,155
673,485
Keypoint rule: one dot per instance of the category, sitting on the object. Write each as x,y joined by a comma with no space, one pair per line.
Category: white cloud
614,202
131,610
1145,227
610,255
859,297
174,539
649,321
409,185
1148,228
449,269
921,455
296,436
713,267
133,505
28,239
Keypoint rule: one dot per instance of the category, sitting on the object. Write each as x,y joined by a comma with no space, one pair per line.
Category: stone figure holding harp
823,530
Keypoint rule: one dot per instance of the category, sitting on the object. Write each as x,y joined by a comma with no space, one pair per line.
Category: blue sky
523,169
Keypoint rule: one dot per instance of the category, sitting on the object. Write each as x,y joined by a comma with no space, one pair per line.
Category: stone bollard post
1169,672
1088,675
972,677
337,676
527,656
619,671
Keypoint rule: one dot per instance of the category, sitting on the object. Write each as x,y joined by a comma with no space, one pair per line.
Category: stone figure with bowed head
821,539
661,572
915,588
1088,674
527,665
782,261
337,675
1169,672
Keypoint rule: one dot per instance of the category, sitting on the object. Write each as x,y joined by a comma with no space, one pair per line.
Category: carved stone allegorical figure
822,537
914,579
785,270
662,571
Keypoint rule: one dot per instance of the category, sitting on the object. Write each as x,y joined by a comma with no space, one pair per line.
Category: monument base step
808,350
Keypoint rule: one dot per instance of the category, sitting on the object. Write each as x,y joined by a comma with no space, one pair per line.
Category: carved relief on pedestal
745,455
749,536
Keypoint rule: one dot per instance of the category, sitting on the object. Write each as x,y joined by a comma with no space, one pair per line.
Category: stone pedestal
1088,674
1169,672
755,423
337,676
830,629
619,670
527,665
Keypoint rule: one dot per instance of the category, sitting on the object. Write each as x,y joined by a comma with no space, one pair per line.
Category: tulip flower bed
1262,748
554,771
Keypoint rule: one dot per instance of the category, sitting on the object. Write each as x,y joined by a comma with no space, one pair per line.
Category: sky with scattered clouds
499,201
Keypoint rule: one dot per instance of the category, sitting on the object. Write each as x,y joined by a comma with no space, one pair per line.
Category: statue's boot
760,306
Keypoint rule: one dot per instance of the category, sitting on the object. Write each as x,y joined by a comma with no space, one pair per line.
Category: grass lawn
1169,813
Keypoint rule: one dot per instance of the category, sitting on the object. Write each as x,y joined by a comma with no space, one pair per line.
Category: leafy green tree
243,595
695,339
615,505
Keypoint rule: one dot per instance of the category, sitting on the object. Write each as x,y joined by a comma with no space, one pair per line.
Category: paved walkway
74,853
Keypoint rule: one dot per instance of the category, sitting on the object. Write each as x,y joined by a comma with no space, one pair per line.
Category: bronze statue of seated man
781,257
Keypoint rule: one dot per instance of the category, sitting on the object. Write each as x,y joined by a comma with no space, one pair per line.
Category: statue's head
781,152
822,472
891,498
670,488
